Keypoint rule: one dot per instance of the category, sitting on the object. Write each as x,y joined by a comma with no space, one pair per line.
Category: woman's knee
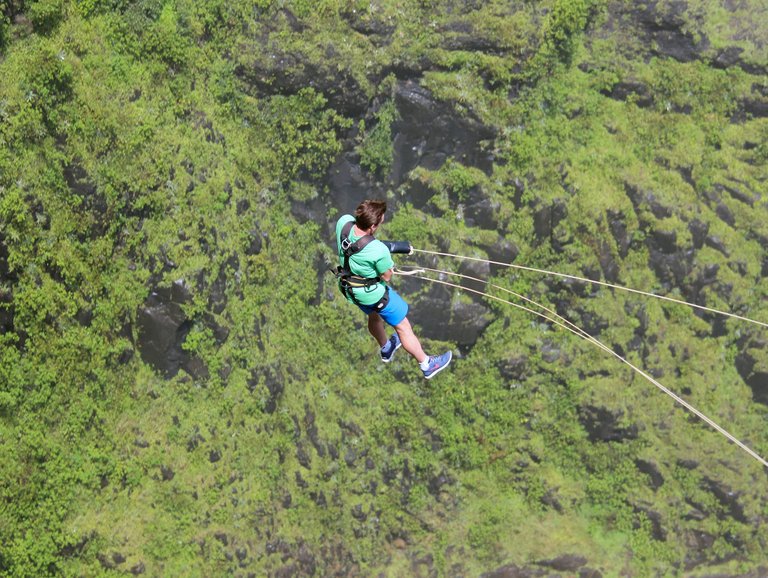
404,326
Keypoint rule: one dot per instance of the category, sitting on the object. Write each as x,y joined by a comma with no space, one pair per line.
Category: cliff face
184,392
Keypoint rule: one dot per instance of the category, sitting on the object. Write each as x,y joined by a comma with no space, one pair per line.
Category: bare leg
377,329
409,340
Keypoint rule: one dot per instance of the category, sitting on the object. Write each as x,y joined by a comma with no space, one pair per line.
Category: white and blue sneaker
437,363
388,351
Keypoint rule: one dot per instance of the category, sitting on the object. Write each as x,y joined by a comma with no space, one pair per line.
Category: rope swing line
568,325
602,283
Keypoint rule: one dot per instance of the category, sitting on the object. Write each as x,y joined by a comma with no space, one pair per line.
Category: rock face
753,374
430,131
163,327
666,33
427,134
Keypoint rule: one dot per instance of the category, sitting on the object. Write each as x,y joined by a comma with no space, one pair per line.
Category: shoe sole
439,369
399,344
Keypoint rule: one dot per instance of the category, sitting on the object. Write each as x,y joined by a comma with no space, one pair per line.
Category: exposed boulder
698,548
6,312
652,471
727,57
630,91
754,374
440,315
163,327
727,497
430,131
349,184
93,202
513,368
378,31
270,378
564,562
547,217
658,532
514,571
669,31
602,424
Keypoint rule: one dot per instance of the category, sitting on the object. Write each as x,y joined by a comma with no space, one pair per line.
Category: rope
564,323
602,283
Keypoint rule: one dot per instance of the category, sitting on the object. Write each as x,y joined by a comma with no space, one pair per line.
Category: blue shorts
393,313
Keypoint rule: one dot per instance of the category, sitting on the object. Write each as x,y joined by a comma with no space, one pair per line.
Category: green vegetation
145,143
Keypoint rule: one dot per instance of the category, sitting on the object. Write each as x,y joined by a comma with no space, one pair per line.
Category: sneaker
394,344
437,363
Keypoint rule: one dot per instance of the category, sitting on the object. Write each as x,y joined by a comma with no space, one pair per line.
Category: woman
366,267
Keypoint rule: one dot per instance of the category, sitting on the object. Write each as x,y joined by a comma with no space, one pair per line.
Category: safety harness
348,280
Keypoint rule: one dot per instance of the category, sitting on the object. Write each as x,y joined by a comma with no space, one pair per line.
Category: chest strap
348,280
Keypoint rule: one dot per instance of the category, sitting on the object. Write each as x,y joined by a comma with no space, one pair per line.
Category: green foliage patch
145,143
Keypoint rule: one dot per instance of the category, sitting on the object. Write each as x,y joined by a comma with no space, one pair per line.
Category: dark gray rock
462,35
669,31
439,316
167,473
303,456
349,184
652,471
564,563
311,428
547,217
618,226
657,529
747,197
750,108
430,131
502,251
270,377
646,200
717,244
699,231
698,548
727,497
306,560
378,31
513,368
746,362
163,326
514,571
727,57
602,424
725,214
631,90
665,241
438,482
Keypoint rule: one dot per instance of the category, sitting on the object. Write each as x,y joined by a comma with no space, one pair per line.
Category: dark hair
369,213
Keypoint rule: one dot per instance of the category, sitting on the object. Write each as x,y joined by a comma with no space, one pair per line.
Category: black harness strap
348,280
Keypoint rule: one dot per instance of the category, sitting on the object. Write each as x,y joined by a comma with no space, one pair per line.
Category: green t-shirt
372,261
